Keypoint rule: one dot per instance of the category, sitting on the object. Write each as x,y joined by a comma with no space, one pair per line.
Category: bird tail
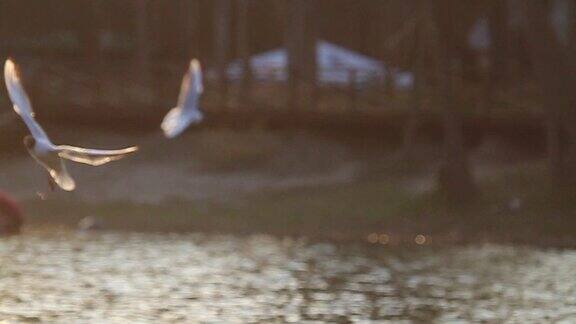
63,178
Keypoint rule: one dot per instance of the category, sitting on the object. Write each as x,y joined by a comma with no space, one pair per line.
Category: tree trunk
498,73
500,38
4,29
416,59
309,59
301,38
572,31
222,45
294,31
243,39
190,28
455,178
554,147
142,35
555,74
411,127
90,32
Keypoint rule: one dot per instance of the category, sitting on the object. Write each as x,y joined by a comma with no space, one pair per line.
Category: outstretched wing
20,100
92,157
192,86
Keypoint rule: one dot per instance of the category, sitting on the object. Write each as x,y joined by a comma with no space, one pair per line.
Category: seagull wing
187,111
192,86
92,157
20,100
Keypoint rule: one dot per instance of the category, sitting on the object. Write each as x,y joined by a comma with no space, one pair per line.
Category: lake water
69,277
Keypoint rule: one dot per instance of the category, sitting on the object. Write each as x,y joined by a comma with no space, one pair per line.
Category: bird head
29,142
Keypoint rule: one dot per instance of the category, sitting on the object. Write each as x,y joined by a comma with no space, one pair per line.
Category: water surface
117,277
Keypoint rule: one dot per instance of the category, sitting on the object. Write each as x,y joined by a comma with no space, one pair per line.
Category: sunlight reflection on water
115,277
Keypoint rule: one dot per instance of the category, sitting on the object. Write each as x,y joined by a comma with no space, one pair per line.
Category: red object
11,218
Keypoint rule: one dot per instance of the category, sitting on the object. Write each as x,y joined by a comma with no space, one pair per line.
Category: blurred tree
455,178
417,64
294,30
301,39
190,11
222,21
555,73
243,45
572,30
3,30
91,31
498,18
494,61
142,23
167,36
310,59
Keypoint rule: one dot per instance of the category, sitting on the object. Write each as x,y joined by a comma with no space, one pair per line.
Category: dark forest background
525,69
179,28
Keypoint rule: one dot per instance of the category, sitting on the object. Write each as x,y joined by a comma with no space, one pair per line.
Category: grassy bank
516,206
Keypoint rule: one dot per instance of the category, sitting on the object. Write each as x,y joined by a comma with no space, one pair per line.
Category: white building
335,64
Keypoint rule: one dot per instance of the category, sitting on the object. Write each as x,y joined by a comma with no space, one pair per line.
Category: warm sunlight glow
383,239
420,239
333,161
372,238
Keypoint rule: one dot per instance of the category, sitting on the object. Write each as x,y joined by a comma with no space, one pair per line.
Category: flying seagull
47,154
186,111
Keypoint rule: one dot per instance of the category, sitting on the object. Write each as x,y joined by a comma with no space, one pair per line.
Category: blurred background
386,137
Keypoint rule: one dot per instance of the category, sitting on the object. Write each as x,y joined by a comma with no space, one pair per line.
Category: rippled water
115,277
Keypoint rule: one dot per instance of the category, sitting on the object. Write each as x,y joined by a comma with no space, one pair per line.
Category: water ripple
118,277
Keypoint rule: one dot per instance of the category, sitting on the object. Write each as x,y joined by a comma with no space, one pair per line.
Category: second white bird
186,111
